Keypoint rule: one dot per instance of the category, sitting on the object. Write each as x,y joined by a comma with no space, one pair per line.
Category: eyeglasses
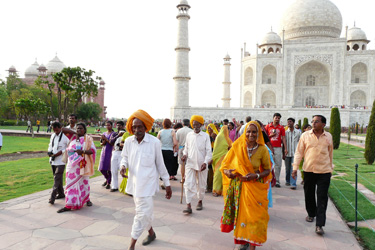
315,121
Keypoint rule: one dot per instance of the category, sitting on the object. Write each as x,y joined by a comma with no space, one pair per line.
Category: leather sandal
188,210
319,230
309,219
64,209
199,206
89,203
149,239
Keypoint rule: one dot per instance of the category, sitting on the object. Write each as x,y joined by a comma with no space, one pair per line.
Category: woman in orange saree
246,179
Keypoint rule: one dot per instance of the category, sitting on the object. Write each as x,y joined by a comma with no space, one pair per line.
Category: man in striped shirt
292,137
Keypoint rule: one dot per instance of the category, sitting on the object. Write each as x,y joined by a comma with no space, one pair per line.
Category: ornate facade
307,67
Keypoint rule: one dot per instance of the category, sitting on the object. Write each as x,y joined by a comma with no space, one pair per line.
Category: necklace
251,150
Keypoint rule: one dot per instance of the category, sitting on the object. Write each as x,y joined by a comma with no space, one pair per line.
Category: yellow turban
142,115
197,118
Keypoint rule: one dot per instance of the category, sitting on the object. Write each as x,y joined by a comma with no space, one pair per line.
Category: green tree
362,128
89,111
305,122
76,83
335,127
356,128
44,81
370,138
30,108
300,124
4,101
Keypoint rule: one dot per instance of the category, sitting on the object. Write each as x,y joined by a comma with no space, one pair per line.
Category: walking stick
182,180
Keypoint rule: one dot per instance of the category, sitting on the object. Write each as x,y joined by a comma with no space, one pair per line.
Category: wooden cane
182,180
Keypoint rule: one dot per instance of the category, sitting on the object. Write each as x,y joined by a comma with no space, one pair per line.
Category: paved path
29,222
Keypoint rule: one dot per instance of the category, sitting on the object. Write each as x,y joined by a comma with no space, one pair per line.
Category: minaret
181,90
226,84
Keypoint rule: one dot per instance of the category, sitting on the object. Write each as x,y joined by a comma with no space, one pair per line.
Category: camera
50,154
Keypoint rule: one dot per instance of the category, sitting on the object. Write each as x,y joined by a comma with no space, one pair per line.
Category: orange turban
142,115
197,118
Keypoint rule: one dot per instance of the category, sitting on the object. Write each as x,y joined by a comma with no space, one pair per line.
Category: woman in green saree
221,147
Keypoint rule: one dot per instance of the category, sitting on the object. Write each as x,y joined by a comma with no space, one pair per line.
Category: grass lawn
27,176
344,160
367,236
90,130
13,144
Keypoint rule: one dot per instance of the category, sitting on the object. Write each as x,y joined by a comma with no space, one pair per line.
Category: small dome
311,19
356,33
32,70
271,38
184,2
42,67
102,82
55,65
12,69
227,56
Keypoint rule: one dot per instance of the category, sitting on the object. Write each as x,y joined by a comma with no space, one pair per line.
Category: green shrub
370,138
305,122
356,128
9,123
300,124
335,127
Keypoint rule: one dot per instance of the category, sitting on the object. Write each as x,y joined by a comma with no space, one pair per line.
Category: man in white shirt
29,126
181,138
57,146
292,137
116,155
197,154
143,157
248,119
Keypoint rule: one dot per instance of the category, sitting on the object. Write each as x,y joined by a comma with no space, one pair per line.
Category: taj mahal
304,69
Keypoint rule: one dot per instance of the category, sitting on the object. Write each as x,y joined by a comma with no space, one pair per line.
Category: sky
130,44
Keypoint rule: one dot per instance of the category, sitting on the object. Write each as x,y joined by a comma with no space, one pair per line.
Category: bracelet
258,175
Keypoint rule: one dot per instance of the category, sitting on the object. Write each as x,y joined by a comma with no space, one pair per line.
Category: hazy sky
130,44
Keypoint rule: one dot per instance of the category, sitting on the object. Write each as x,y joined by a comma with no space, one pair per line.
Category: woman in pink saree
81,154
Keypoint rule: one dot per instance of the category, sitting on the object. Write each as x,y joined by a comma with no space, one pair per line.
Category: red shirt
279,130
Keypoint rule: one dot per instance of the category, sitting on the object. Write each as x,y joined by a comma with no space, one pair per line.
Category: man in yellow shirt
316,147
38,124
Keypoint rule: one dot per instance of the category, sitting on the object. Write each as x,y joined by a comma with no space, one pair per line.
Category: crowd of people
239,161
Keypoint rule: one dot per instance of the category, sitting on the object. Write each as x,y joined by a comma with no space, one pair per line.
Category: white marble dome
55,65
311,19
356,33
271,38
32,70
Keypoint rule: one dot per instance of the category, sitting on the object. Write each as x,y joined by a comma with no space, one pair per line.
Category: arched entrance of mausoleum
312,84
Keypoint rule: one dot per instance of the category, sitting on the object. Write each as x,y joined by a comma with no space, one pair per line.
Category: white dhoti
144,209
195,184
115,166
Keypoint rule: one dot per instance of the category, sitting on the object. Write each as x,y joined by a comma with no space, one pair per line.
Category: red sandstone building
53,66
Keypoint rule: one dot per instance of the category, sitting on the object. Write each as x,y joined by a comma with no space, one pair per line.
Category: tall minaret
181,89
226,84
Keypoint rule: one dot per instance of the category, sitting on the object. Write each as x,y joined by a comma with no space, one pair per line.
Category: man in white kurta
143,157
197,153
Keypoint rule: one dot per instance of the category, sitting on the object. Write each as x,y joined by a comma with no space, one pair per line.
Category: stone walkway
29,222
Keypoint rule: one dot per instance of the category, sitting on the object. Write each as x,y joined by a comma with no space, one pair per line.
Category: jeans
288,172
278,157
317,207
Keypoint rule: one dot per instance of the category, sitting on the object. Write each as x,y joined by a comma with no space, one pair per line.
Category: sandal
215,194
64,209
309,219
